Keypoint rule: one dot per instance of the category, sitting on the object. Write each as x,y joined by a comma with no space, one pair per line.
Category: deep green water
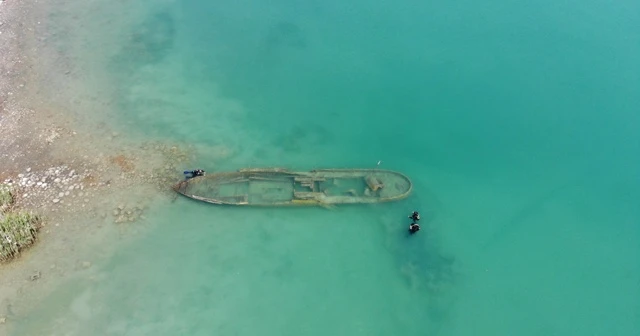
518,124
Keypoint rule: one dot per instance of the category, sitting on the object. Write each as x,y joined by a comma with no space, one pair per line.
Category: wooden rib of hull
281,187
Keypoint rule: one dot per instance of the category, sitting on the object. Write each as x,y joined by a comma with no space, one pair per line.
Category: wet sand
90,183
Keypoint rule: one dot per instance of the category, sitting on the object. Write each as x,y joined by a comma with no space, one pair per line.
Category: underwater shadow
422,261
149,42
521,216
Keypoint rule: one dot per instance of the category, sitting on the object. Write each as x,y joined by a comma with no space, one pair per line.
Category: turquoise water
517,123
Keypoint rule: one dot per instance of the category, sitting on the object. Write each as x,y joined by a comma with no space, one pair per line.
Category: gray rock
86,264
61,194
57,180
55,200
35,276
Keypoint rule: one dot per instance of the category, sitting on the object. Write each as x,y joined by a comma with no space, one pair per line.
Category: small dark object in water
194,173
415,216
413,228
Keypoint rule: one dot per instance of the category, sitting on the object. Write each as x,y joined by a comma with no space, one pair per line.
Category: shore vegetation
18,229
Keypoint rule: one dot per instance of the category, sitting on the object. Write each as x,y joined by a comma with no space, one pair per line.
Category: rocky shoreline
83,184
52,184
55,188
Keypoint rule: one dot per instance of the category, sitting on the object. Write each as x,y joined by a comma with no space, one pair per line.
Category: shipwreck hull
280,187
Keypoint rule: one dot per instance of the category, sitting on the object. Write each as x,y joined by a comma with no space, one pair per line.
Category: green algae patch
18,229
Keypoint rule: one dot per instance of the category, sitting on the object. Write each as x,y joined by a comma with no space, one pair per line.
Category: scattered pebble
32,186
35,276
3,319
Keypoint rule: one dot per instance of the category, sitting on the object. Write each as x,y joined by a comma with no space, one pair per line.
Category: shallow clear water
518,125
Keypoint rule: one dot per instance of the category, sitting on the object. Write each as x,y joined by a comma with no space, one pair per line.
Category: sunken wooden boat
281,187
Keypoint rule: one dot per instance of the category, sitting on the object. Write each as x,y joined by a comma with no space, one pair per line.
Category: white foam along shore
86,187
